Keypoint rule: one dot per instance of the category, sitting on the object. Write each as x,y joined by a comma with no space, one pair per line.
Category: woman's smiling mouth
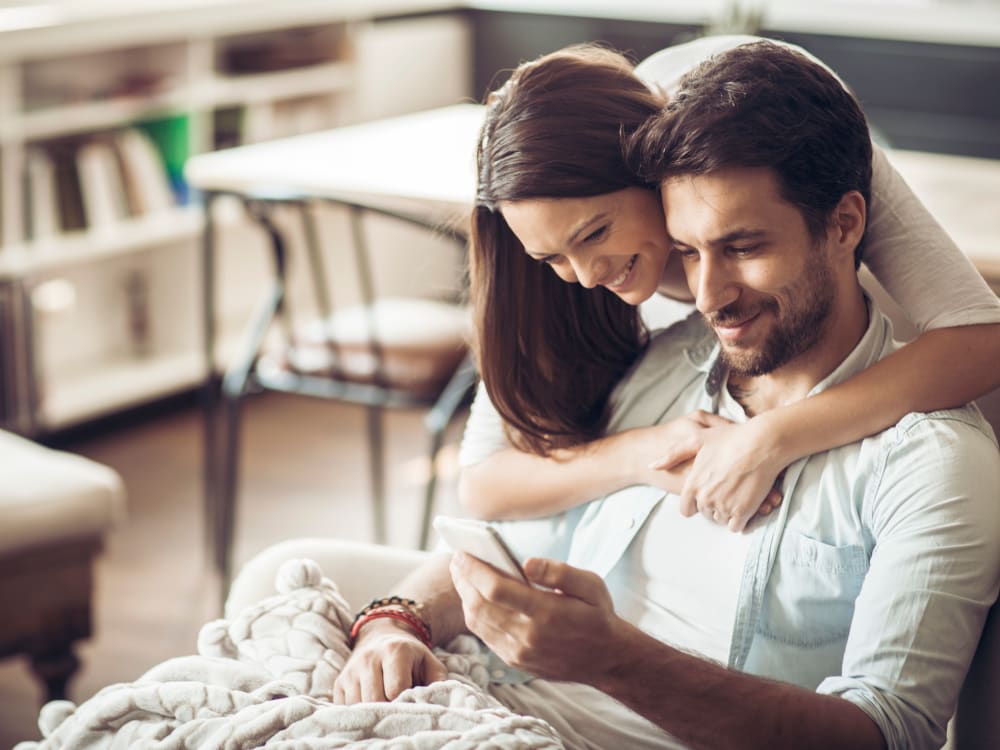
622,278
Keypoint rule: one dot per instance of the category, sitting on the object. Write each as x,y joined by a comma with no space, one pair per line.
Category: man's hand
564,633
387,659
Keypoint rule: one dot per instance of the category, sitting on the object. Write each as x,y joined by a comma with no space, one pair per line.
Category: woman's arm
499,482
736,465
510,483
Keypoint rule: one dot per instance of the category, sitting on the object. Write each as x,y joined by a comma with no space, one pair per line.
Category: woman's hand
732,477
662,455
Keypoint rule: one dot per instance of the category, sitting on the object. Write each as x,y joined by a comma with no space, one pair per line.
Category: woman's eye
596,234
549,260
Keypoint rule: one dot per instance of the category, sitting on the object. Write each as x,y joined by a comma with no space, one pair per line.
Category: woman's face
617,240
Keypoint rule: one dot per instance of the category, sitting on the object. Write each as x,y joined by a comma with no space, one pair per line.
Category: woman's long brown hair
550,352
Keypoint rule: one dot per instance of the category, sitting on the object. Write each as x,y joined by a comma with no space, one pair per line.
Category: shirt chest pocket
810,595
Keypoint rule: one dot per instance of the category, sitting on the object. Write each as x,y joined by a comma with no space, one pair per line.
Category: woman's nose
590,273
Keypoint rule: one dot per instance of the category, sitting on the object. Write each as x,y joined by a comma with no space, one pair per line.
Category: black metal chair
359,354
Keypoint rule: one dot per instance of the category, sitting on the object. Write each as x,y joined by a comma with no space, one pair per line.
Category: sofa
364,571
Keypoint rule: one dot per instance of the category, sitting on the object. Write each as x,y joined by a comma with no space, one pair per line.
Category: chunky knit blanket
264,680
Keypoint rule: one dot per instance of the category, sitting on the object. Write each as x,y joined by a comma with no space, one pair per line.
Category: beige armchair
55,509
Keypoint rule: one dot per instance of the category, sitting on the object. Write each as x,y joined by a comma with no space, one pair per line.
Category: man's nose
715,286
591,272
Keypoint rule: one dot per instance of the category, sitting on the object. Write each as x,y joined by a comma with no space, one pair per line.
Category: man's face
758,277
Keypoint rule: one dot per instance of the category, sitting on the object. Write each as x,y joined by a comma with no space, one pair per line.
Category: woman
551,351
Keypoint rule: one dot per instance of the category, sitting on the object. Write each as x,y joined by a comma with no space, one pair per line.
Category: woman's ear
849,222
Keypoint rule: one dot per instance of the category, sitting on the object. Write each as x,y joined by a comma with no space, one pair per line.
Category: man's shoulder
687,342
945,427
955,447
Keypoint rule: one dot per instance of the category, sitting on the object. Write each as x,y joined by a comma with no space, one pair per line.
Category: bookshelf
100,236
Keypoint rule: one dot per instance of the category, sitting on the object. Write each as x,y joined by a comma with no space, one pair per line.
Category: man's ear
848,225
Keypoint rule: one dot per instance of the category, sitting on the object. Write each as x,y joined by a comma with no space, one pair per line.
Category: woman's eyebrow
574,236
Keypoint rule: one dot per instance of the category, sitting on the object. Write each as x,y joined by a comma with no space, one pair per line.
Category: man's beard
795,331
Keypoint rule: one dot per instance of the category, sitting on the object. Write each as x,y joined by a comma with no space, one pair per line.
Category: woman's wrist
624,459
777,436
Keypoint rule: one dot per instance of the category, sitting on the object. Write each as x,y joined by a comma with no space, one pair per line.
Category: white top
691,606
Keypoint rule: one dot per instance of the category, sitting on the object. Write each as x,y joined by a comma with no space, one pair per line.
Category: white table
425,163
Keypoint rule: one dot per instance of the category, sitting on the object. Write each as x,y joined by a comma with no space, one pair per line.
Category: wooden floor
304,474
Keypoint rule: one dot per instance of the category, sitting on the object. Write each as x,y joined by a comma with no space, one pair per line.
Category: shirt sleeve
916,261
484,434
933,575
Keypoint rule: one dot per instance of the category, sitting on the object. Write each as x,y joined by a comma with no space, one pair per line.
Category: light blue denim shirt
873,579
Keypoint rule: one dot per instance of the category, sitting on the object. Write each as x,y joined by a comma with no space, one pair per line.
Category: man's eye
742,251
686,253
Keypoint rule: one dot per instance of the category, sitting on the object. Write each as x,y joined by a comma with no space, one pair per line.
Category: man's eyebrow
737,235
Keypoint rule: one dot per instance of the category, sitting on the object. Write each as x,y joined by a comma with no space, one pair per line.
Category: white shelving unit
99,317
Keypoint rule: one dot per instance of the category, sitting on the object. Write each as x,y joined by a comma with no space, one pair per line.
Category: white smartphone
481,540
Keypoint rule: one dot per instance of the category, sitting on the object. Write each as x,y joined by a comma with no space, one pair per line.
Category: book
147,186
101,185
69,197
170,136
42,208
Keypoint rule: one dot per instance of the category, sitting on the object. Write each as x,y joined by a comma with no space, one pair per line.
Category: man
848,617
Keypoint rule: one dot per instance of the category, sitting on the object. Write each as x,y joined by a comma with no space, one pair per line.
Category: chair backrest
403,339
977,720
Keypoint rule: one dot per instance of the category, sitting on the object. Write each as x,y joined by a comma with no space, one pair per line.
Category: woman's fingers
676,454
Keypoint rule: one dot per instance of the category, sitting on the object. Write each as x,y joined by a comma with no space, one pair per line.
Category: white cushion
48,495
422,342
361,571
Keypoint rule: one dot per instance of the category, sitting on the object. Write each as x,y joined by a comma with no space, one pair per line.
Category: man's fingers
774,498
372,688
345,691
580,584
433,671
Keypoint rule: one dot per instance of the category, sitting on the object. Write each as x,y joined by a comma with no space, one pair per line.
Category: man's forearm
431,585
709,706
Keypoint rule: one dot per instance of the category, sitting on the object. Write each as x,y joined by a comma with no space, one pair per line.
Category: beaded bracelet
416,608
421,628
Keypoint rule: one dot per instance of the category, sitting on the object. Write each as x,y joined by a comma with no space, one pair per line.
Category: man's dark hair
763,105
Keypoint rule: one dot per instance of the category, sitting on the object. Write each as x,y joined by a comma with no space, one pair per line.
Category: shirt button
498,673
